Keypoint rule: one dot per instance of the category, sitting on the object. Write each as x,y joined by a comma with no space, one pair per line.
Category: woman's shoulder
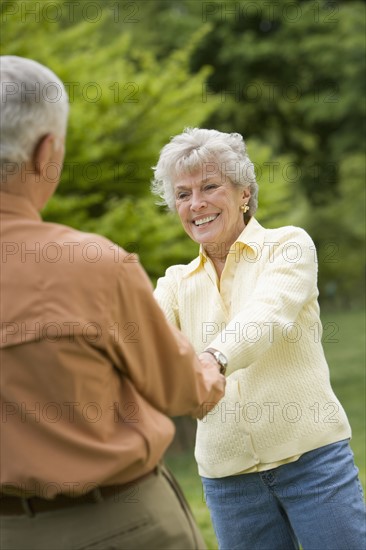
178,271
288,233
169,283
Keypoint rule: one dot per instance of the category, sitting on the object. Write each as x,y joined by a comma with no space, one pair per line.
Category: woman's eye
210,187
182,196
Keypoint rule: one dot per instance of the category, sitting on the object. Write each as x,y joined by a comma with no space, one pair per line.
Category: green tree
341,227
125,105
289,74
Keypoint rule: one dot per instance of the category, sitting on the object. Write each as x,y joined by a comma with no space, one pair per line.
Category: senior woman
274,454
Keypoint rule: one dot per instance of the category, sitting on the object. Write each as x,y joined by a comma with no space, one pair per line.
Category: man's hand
214,381
207,359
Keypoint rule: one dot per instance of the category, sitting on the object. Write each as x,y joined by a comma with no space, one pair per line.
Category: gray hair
211,151
34,103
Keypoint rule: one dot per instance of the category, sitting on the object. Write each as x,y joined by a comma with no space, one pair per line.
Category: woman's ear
246,193
43,153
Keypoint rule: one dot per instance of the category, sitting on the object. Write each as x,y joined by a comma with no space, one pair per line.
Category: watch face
222,359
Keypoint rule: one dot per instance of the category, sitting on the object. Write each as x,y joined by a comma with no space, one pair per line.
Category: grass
346,359
344,344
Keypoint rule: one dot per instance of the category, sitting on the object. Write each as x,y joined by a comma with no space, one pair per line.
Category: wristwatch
220,358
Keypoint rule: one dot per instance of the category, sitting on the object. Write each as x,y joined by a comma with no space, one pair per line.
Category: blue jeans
316,501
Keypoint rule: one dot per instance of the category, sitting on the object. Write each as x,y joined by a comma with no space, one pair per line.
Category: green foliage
297,70
290,76
287,75
125,105
340,227
138,226
279,200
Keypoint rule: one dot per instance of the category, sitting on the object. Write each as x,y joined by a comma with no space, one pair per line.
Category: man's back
90,368
79,369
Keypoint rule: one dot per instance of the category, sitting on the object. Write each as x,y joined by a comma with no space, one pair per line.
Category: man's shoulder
87,246
65,233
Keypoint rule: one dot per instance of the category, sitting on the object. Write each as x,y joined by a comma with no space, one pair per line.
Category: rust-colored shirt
90,368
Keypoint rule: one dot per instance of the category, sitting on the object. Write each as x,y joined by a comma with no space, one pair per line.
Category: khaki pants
152,514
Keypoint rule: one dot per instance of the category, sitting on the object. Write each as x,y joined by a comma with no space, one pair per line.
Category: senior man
90,369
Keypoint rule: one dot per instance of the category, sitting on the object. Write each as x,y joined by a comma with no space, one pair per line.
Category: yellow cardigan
263,315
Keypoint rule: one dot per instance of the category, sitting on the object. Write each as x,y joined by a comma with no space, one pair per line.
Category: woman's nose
198,201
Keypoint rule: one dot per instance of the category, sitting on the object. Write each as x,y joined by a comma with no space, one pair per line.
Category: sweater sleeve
166,296
286,283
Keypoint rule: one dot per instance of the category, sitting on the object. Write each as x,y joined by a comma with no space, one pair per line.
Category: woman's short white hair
211,151
34,103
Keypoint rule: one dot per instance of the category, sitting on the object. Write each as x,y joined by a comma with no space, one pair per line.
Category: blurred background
287,75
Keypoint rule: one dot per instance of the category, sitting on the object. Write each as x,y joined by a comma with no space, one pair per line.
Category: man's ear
43,152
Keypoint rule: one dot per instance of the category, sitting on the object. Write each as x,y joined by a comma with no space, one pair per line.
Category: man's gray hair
212,152
34,103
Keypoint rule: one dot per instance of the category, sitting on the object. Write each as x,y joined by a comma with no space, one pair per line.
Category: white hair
34,103
211,151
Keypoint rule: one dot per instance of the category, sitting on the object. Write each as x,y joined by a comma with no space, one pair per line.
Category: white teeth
205,220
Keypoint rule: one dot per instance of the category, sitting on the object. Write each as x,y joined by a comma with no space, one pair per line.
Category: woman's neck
218,254
219,264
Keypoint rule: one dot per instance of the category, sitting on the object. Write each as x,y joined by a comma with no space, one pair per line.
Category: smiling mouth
205,221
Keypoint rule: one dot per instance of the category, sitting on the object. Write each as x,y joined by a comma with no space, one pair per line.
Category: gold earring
244,208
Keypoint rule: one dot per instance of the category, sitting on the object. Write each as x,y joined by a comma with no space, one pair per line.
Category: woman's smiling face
209,208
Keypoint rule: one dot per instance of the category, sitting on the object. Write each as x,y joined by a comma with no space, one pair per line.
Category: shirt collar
252,236
18,205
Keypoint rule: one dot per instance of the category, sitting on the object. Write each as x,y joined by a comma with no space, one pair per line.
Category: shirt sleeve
155,355
286,284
